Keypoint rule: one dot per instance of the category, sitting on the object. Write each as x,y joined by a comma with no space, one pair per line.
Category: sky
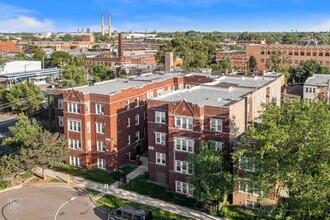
165,15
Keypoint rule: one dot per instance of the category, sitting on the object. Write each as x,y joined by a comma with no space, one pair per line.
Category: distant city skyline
165,15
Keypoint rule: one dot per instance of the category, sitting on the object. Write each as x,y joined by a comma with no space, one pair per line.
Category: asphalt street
42,202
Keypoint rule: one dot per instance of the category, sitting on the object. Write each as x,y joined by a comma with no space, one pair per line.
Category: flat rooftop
241,81
116,85
318,80
206,96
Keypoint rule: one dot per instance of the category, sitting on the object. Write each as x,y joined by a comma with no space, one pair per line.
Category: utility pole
49,111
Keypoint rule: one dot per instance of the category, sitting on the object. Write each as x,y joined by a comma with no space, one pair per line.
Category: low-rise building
317,87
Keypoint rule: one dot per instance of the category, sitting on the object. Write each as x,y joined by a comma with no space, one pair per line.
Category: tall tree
21,56
32,146
102,72
252,62
60,58
211,179
74,76
291,145
24,97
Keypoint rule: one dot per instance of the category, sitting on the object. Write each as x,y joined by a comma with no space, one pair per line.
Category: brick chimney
120,45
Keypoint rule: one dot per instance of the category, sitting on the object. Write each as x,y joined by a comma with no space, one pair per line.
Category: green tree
60,58
290,38
307,69
67,37
33,146
101,72
211,179
21,56
291,145
225,64
74,76
24,97
38,54
252,62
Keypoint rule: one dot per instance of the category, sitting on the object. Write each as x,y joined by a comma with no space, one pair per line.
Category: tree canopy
211,179
291,146
101,72
74,76
60,58
32,147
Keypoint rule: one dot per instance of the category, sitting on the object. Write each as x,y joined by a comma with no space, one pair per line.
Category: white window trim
162,138
73,107
160,158
60,121
182,121
100,146
75,161
180,186
99,109
178,143
76,126
217,123
128,122
242,160
137,119
99,129
101,163
184,167
88,126
137,102
160,117
74,144
60,103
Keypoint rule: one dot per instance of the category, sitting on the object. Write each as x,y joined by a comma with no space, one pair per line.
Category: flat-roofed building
317,87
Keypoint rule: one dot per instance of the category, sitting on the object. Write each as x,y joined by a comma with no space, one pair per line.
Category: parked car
130,212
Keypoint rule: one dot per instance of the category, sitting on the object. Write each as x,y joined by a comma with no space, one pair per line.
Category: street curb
11,188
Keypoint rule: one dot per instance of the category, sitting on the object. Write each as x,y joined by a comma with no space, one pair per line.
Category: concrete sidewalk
114,191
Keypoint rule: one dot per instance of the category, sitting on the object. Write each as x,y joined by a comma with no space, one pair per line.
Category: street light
70,200
26,66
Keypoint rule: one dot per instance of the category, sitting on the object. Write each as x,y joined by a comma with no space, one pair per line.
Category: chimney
120,45
102,24
109,25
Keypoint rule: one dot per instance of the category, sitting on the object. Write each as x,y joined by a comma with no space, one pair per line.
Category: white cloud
12,11
324,26
26,24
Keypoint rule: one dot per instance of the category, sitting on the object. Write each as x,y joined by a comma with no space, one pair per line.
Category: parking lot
42,202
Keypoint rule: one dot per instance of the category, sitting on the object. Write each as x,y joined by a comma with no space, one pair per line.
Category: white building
20,66
317,87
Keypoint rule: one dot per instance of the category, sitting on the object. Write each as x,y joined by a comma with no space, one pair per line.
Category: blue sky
166,15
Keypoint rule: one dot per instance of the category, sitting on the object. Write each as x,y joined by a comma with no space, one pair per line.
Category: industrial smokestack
109,25
102,24
120,45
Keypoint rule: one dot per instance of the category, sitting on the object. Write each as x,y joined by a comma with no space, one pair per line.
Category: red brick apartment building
217,111
106,124
238,58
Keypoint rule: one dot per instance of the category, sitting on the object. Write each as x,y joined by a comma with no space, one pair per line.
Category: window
60,121
262,52
314,90
321,54
127,104
137,119
137,135
100,146
73,107
217,145
314,54
128,122
160,158
74,144
60,103
88,126
87,107
150,95
181,86
160,117
296,61
160,138
184,144
75,161
216,124
262,60
183,187
327,54
296,53
302,53
74,126
183,167
321,62
100,128
184,123
89,145
159,91
99,109
101,163
246,163
290,53
137,102
252,205
245,186
128,139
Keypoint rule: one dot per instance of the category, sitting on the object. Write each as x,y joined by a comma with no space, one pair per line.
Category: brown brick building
238,58
297,53
106,124
217,111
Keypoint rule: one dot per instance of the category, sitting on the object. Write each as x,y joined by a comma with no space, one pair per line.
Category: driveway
42,202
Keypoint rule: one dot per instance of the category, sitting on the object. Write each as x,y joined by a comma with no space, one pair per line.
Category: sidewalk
114,191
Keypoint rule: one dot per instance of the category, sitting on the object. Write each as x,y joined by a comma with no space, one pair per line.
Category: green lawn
236,212
92,192
96,175
4,184
141,186
111,202
26,175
